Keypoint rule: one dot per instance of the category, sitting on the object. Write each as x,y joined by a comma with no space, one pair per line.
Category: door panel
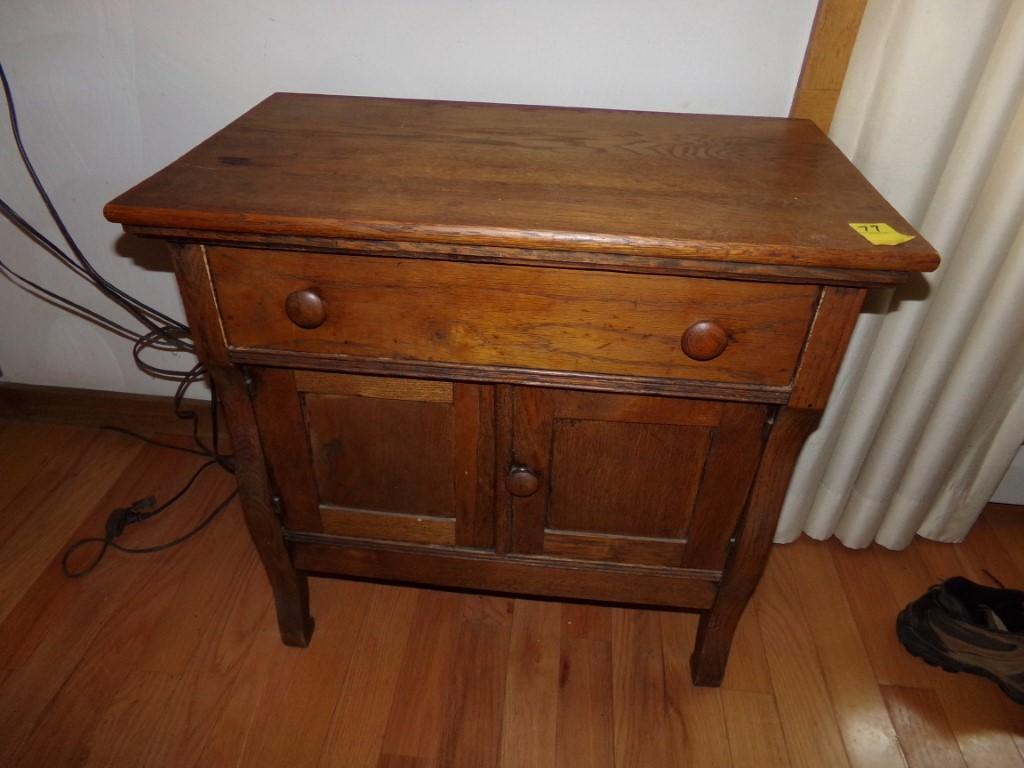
606,467
394,459
631,479
384,455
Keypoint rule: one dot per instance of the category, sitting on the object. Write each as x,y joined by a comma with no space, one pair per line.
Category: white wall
109,91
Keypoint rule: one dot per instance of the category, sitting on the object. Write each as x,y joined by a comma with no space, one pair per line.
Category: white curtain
928,410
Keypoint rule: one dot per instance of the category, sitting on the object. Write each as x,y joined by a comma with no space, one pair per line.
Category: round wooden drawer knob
704,340
522,481
306,308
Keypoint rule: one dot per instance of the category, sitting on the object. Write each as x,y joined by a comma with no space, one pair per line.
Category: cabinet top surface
762,190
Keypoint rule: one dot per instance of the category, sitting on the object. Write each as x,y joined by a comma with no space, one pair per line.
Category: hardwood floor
173,659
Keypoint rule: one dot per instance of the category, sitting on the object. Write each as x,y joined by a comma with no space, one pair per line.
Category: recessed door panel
622,478
384,455
393,459
629,479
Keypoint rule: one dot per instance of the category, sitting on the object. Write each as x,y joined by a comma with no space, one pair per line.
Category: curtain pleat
925,415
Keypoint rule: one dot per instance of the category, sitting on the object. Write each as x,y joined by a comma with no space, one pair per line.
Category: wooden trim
833,35
282,427
729,473
276,228
473,416
387,526
603,548
597,382
204,319
830,332
380,387
148,414
643,585
728,269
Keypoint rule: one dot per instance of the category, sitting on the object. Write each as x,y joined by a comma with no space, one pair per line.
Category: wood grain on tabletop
698,186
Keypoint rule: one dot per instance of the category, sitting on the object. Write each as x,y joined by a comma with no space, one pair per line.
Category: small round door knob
704,340
522,481
306,308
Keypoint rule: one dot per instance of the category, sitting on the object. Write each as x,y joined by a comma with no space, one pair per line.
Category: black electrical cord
163,333
139,512
146,314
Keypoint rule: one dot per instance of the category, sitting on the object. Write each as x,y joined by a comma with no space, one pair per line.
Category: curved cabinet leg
749,553
291,587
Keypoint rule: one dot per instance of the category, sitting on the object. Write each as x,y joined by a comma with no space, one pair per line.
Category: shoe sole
934,657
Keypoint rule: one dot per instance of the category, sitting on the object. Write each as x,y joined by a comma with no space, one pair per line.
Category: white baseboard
1011,489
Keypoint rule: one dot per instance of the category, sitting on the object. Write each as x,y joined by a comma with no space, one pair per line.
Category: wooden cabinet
555,352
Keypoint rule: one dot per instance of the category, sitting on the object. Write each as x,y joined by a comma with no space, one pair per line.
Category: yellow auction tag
880,234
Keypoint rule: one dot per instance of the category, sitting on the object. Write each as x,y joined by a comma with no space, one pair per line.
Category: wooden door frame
833,34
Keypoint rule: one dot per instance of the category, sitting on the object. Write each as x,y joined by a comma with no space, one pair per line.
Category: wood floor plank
37,482
973,706
296,707
696,724
225,737
905,572
584,734
638,677
942,561
584,728
357,729
528,739
875,608
1007,520
226,667
813,736
977,716
868,734
587,621
403,761
172,649
29,451
1015,715
49,510
48,632
121,738
756,739
985,549
416,720
923,729
76,710
476,696
55,602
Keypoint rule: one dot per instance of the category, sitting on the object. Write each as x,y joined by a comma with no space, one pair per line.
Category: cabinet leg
749,553
291,587
714,639
291,599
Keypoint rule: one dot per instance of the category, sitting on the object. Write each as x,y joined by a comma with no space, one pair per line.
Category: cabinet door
393,459
630,479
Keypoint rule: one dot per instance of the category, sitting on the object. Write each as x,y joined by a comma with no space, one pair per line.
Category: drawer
512,316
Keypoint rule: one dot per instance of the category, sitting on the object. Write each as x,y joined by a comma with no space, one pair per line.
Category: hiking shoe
964,627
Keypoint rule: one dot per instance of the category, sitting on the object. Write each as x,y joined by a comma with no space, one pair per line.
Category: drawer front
511,316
